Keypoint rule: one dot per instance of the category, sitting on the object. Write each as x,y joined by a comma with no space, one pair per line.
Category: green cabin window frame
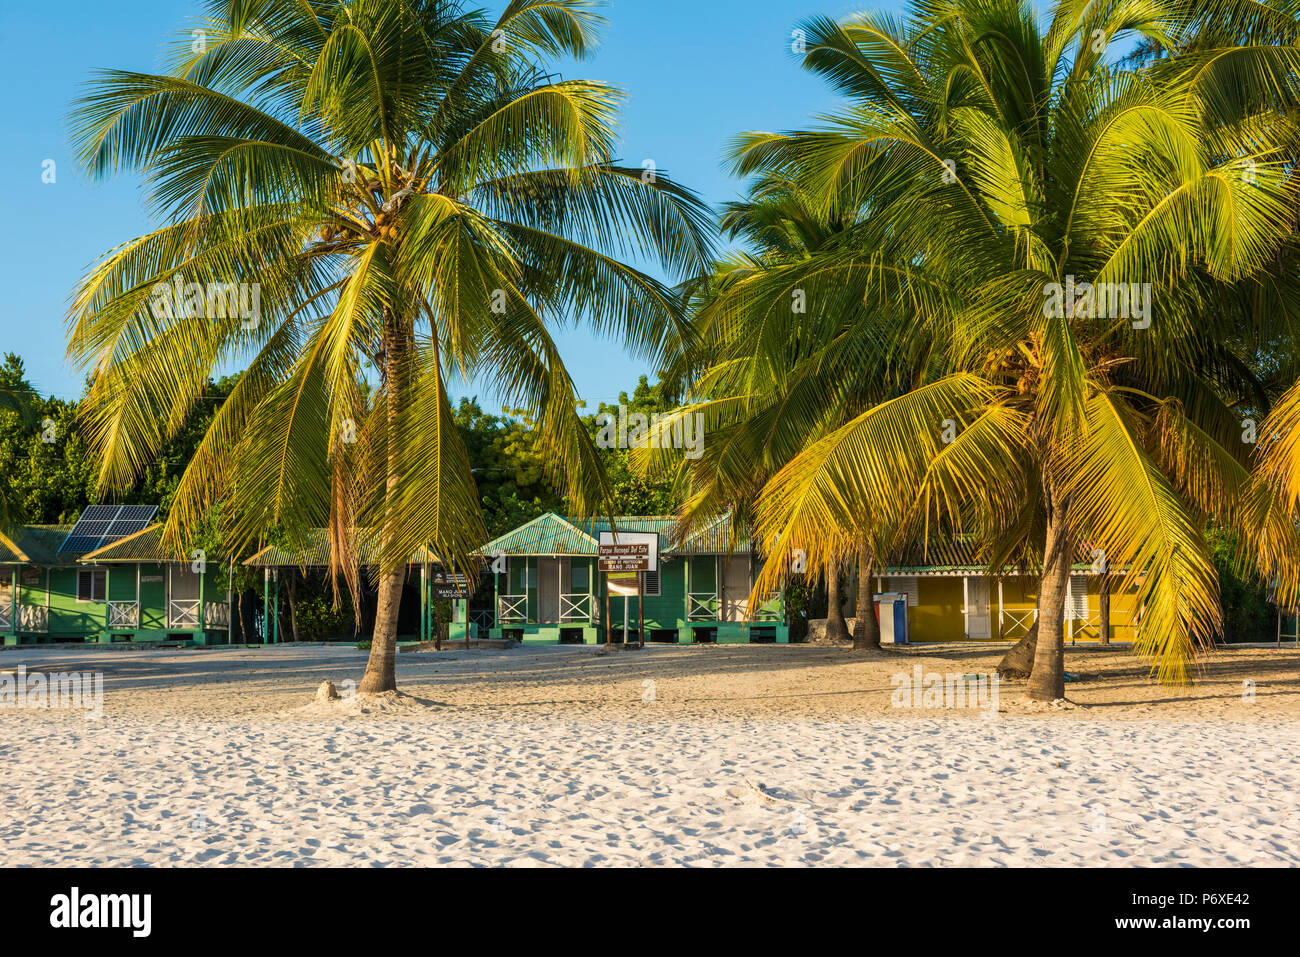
92,585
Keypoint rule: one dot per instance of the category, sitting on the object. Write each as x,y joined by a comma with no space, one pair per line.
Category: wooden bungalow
424,574
52,590
547,587
951,596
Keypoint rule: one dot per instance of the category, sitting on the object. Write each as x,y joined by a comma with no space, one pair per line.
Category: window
650,584
1077,605
90,584
579,581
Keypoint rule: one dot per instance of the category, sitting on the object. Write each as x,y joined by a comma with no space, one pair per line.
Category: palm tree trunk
1019,661
866,630
1047,680
837,629
1103,611
381,674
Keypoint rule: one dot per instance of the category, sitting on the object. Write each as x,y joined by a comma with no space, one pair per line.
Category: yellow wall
937,615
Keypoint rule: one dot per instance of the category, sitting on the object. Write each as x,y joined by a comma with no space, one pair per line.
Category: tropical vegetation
389,182
1011,190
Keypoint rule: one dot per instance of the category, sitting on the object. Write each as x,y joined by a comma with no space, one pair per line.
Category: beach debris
327,691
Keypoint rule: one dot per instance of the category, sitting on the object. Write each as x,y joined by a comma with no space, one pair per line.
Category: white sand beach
558,756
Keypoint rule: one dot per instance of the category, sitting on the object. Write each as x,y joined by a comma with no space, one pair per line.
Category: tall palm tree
993,165
761,408
400,186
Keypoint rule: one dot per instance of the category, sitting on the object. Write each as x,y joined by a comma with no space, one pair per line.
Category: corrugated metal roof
553,534
35,545
315,551
959,554
548,534
144,546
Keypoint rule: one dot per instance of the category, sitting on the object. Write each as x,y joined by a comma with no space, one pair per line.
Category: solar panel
100,525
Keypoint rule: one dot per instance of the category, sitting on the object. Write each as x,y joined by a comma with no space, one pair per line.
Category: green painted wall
666,611
70,618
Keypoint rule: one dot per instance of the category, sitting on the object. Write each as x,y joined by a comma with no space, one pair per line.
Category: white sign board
629,551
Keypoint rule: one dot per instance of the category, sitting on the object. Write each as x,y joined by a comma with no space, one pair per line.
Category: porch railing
702,606
1016,624
575,608
512,608
123,614
769,609
1089,629
183,613
6,616
34,618
216,615
482,617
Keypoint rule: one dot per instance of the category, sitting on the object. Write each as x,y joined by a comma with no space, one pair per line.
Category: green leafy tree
989,159
394,184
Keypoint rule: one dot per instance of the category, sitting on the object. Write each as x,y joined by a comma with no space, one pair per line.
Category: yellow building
952,597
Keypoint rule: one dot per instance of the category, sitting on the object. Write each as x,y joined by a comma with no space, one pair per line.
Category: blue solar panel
100,525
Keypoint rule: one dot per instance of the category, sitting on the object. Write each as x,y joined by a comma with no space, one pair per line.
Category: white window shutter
909,587
1076,598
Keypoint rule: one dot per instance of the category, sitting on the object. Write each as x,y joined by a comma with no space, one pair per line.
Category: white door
979,622
735,587
548,590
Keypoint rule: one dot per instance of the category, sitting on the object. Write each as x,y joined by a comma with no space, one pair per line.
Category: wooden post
1103,607
203,601
266,605
1001,626
686,577
640,609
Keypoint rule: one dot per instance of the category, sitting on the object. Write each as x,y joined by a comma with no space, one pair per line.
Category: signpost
623,557
444,585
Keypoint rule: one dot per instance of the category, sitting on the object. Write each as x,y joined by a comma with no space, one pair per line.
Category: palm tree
391,184
761,408
1014,197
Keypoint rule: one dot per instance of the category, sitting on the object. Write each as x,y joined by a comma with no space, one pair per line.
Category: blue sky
695,71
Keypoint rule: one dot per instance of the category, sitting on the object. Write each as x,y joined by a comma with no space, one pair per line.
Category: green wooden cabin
416,620
547,589
127,590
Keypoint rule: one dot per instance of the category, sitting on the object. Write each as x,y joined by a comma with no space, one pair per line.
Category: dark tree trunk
837,629
866,630
1047,679
381,673
248,615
